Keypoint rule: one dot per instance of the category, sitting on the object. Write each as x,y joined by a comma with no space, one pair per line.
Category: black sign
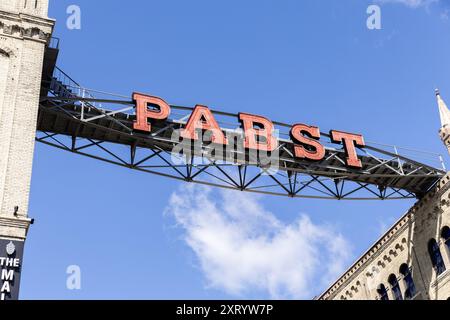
11,253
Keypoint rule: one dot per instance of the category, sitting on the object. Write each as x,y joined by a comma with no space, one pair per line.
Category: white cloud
243,249
411,3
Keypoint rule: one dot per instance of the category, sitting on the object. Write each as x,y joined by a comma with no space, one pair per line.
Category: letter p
160,111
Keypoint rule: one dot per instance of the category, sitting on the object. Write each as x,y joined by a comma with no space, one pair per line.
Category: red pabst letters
258,131
350,141
298,133
258,139
143,113
202,118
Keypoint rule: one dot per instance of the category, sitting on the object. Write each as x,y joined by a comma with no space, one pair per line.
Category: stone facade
412,259
24,33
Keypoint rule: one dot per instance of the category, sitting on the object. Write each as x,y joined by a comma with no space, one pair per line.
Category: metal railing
63,82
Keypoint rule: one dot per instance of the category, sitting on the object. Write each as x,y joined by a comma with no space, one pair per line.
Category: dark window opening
436,256
446,236
382,292
410,290
395,287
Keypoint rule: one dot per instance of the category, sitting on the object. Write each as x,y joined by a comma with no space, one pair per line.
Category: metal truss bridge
100,126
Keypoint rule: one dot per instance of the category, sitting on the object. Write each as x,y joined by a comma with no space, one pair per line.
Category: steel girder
71,119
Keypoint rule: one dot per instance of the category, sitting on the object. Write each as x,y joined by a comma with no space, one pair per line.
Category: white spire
443,110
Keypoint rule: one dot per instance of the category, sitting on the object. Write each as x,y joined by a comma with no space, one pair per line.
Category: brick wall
22,44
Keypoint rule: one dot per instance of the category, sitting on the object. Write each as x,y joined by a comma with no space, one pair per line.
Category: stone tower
25,31
444,114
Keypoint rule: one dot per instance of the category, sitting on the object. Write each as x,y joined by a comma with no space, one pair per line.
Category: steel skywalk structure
100,126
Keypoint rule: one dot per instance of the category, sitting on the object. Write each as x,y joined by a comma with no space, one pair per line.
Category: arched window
396,292
446,236
382,292
410,291
436,257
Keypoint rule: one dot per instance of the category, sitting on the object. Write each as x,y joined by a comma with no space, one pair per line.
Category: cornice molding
19,222
14,227
24,26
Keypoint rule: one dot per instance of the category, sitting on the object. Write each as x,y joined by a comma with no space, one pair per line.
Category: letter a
374,20
74,279
74,20
202,118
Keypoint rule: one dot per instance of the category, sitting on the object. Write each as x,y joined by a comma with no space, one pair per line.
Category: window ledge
441,279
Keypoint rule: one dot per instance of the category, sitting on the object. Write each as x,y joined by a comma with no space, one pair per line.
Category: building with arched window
382,292
436,256
445,234
395,287
411,260
410,288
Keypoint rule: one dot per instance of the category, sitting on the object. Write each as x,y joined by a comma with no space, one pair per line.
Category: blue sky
136,236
